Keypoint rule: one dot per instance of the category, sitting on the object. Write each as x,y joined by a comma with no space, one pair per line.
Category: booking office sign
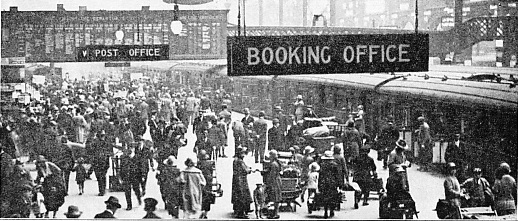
327,54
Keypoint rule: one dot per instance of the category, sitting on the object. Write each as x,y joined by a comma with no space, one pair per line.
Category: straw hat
328,155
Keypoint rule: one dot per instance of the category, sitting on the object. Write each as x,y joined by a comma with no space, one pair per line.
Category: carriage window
329,97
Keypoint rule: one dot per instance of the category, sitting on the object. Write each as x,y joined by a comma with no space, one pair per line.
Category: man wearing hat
478,189
101,160
260,128
275,136
277,113
388,135
452,191
329,180
112,205
73,212
130,174
247,119
299,108
365,170
397,156
309,112
424,140
352,141
456,153
241,198
225,114
150,207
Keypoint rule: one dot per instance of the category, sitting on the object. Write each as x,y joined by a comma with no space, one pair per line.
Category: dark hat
259,184
401,144
262,114
113,201
150,202
241,150
73,212
349,124
275,121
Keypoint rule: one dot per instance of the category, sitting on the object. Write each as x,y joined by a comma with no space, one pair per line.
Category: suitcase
115,184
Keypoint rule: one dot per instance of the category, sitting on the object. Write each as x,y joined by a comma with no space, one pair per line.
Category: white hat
328,155
309,149
299,96
89,110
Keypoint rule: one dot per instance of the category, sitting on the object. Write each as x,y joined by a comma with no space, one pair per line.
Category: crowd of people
88,130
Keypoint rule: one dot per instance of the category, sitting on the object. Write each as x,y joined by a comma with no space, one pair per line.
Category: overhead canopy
188,2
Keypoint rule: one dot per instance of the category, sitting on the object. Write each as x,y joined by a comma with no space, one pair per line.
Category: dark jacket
104,215
151,215
275,139
329,180
352,142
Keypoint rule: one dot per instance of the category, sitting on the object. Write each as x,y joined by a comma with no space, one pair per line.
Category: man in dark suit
130,174
101,160
275,137
283,119
388,136
456,153
203,143
248,118
199,124
112,205
260,128
145,160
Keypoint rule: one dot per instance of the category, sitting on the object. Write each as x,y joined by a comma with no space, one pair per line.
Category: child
80,175
37,202
259,201
313,179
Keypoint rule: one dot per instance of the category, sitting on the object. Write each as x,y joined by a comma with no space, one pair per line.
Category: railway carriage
481,108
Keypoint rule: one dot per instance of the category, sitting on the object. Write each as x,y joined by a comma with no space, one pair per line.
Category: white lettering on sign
139,52
106,52
352,53
283,55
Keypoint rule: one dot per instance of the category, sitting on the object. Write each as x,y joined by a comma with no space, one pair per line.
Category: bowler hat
73,212
275,121
401,144
113,201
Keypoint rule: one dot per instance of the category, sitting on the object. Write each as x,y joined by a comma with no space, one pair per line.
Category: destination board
55,36
327,54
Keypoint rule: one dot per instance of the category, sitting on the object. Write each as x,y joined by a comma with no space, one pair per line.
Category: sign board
327,54
38,79
94,53
55,36
117,64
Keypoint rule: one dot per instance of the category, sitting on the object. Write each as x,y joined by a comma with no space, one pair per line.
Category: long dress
193,181
53,186
241,198
272,181
170,188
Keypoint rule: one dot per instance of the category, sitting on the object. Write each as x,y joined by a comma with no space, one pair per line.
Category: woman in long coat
272,181
53,185
241,198
193,183
170,186
329,182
